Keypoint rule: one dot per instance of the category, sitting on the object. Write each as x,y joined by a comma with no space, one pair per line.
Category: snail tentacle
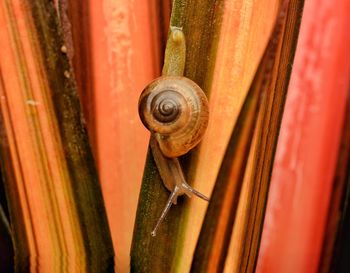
171,200
195,192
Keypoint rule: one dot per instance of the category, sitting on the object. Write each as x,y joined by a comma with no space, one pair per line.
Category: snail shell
175,110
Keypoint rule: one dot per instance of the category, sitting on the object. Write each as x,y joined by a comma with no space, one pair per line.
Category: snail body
175,110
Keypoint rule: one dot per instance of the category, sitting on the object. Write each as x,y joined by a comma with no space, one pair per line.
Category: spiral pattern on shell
166,106
175,110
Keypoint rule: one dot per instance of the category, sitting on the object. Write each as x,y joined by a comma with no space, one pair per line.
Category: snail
175,110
